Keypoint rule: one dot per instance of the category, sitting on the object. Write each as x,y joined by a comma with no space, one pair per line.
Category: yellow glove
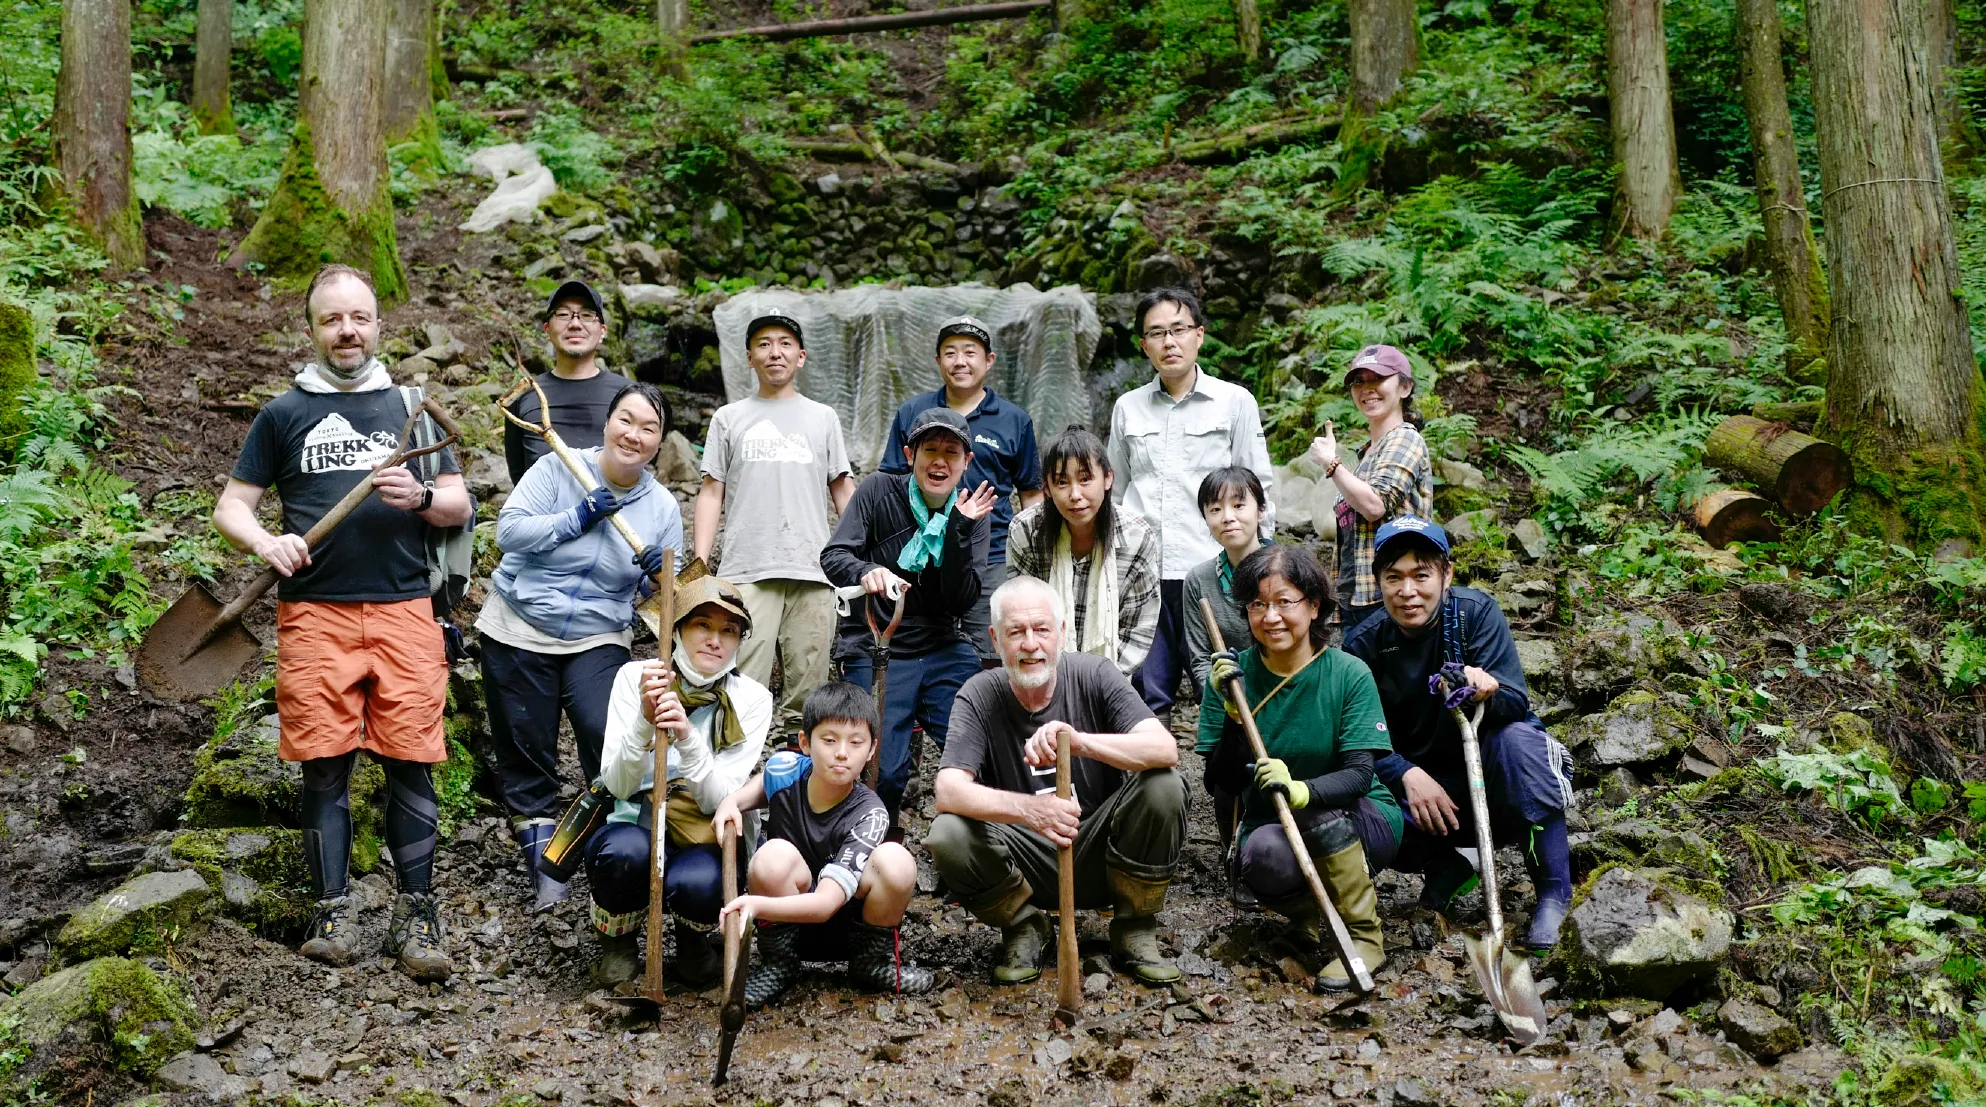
1272,775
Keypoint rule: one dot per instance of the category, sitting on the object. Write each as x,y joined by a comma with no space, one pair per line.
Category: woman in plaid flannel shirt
1391,476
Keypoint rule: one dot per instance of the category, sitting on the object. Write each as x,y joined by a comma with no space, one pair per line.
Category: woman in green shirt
1321,721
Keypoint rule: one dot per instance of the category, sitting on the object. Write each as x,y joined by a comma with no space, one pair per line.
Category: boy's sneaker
778,965
333,935
415,938
875,961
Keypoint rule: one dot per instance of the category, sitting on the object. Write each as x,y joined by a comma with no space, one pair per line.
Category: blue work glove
1451,684
650,560
1272,775
597,505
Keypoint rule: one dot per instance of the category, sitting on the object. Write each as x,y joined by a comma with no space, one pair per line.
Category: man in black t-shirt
360,662
1000,822
578,390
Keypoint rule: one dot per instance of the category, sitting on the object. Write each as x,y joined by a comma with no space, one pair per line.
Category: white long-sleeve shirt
627,757
1162,448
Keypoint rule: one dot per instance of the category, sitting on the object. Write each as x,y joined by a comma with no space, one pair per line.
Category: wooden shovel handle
1340,937
658,803
543,429
1068,979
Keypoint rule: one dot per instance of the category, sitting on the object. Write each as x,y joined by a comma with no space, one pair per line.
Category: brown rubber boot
1134,944
1025,931
1357,901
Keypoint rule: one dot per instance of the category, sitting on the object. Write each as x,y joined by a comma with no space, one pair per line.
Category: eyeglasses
1179,332
564,317
1259,609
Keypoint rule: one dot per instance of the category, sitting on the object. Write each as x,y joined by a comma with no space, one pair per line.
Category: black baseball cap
939,420
967,326
775,320
576,290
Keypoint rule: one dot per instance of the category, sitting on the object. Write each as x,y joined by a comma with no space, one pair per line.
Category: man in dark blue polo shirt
1004,454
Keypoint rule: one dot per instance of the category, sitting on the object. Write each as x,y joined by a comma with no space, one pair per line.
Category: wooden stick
658,802
1068,972
1342,938
780,32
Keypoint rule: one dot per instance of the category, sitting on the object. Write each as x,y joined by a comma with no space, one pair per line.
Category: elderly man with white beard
1000,823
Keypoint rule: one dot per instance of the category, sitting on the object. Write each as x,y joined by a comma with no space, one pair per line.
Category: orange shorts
370,676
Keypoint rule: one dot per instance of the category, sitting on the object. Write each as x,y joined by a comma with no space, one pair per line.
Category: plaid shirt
1397,467
1137,554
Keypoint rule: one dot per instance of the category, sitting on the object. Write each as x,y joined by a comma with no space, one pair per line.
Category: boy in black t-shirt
823,883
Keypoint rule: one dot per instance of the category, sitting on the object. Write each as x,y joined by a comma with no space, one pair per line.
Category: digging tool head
169,665
1505,979
731,1018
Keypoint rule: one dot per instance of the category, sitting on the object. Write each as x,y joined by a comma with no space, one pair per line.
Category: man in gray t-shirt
766,463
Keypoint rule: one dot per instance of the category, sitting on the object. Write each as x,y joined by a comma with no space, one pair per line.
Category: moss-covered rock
261,875
1636,727
1618,650
1649,842
146,913
110,1012
1636,931
1924,1080
239,781
1848,732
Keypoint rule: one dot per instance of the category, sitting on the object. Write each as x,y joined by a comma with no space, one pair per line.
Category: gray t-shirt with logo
776,459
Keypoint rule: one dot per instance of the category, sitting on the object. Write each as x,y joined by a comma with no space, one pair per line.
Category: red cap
1387,361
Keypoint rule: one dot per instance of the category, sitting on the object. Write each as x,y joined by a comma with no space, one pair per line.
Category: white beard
1033,679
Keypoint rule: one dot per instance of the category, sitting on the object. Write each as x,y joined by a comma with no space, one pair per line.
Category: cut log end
1734,515
1800,471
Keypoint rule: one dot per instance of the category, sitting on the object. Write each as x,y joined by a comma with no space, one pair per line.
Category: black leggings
412,822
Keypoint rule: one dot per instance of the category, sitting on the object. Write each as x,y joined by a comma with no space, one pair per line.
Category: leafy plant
1858,783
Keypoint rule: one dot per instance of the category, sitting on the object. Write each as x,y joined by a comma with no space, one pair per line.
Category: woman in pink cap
1391,475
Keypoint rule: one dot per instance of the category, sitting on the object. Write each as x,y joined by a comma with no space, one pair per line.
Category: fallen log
821,28
1273,133
1801,414
1734,515
1798,470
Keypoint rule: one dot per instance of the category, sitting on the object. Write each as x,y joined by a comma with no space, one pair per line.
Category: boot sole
328,955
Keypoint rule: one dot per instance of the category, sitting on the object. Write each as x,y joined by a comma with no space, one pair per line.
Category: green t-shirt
1331,706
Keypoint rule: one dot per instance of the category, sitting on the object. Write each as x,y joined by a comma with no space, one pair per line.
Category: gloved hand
597,505
1451,685
1227,666
1272,775
650,560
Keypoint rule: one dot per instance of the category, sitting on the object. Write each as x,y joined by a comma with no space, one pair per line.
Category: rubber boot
1548,856
547,893
778,966
1024,930
875,961
1351,890
1304,940
1446,880
414,938
333,935
619,959
698,965
1134,946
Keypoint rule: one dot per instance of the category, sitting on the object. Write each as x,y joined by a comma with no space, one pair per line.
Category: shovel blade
171,669
1506,982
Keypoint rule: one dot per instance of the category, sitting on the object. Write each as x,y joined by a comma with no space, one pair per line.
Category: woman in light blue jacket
560,614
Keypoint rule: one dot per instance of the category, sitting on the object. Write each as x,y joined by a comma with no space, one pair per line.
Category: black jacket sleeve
1342,786
1491,649
844,558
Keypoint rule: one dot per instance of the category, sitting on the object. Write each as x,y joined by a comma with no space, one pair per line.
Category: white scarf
370,378
1100,627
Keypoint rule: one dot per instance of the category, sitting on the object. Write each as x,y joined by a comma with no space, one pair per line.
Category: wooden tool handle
1340,937
734,926
579,473
1472,760
1068,974
658,802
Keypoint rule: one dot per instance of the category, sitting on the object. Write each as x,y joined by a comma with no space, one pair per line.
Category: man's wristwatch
427,497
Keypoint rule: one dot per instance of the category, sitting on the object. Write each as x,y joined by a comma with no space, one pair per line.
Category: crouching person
823,884
1000,822
1324,730
712,721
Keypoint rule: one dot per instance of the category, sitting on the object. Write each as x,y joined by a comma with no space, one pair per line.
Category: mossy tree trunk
331,203
17,371
1248,29
672,21
1902,379
213,42
408,111
92,126
1790,253
1644,127
1385,48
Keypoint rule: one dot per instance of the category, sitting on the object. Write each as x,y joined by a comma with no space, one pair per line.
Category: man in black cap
578,389
918,531
771,463
1004,453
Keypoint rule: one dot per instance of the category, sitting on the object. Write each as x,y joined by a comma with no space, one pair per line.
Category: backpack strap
424,433
1454,628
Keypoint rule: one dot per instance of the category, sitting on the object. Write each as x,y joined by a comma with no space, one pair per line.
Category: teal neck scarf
927,546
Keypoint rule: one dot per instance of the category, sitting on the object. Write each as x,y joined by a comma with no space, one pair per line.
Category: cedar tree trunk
1789,235
213,41
672,18
408,111
1902,379
1385,48
1644,128
1248,29
331,203
92,126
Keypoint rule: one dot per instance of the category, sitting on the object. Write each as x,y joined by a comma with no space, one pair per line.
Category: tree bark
1385,48
1941,53
17,372
1800,471
1790,253
1644,128
1900,365
331,202
407,113
672,19
1248,29
92,126
213,42
1734,515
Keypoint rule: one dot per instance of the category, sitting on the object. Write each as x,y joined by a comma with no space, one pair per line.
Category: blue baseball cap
1405,526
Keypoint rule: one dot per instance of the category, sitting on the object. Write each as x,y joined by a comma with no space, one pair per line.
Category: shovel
1334,925
879,657
198,645
649,999
1504,977
649,610
737,943
1068,971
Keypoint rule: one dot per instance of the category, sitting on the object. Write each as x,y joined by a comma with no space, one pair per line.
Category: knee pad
1331,835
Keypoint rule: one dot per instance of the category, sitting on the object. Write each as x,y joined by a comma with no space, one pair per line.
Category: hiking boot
414,938
547,892
698,966
1134,946
333,935
619,960
1021,946
875,961
778,966
1351,890
1448,880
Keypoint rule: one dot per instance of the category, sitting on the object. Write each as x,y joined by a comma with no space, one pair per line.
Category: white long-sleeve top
627,757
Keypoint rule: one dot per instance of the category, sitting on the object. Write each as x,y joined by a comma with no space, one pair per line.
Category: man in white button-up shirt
1165,437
